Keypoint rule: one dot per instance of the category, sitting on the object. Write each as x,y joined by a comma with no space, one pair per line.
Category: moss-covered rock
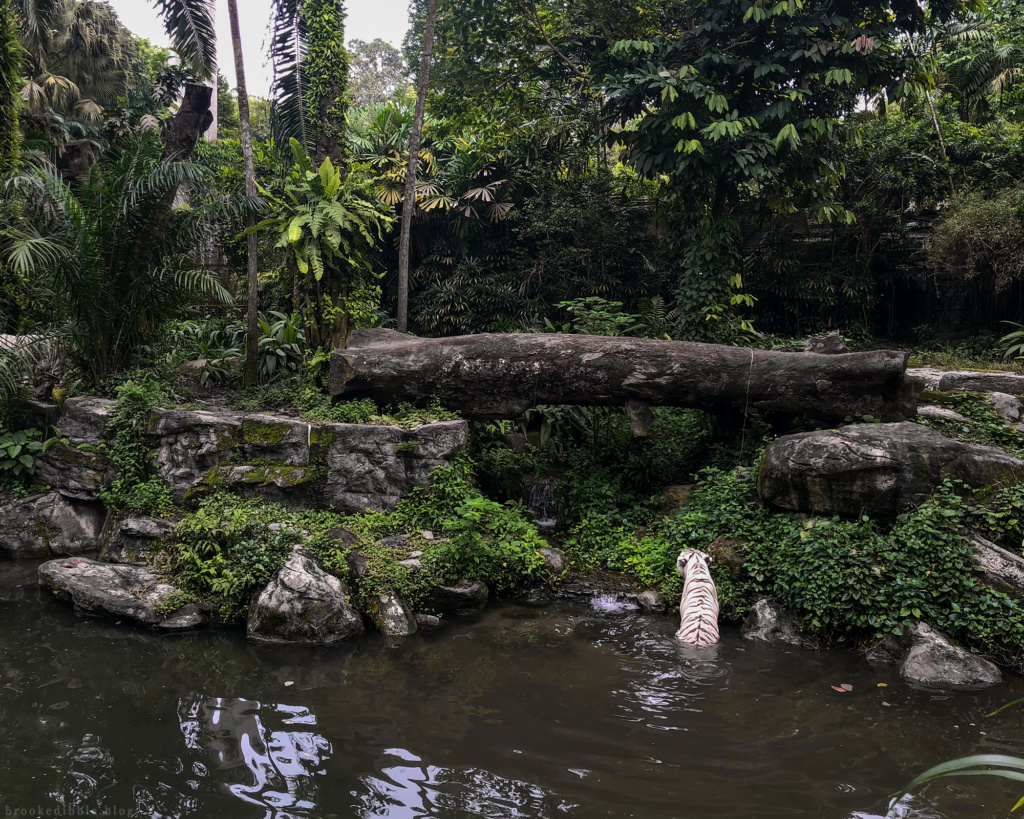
877,470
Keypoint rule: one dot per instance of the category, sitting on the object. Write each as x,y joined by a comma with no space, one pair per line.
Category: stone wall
348,468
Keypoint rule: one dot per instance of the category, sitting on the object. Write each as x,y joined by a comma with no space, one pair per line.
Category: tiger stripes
698,608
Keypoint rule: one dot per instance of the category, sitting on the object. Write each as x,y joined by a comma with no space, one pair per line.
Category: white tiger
698,607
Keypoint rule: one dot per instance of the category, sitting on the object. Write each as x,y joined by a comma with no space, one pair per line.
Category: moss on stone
410,447
261,432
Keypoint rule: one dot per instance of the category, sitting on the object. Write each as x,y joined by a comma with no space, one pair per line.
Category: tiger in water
698,608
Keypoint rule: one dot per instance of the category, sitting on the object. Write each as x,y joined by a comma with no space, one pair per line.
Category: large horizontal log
502,375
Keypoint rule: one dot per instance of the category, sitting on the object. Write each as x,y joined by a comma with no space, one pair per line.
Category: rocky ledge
878,470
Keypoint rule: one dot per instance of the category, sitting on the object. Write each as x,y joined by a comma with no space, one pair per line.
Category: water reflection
273,765
411,788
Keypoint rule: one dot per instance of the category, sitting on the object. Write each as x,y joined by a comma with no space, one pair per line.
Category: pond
556,711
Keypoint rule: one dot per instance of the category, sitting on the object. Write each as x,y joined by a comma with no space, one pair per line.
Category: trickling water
522,713
543,504
612,604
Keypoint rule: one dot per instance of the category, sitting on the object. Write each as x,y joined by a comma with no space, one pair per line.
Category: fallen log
492,376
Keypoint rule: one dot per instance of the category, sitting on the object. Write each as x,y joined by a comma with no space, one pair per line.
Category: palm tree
415,138
107,255
252,329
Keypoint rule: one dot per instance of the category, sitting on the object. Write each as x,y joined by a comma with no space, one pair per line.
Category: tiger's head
688,557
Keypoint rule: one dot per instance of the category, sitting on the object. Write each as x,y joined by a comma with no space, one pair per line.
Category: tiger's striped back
698,608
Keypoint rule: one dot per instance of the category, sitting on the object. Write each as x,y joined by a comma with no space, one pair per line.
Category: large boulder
49,525
1006,406
933,662
303,604
135,539
191,444
874,469
120,592
73,471
769,622
84,420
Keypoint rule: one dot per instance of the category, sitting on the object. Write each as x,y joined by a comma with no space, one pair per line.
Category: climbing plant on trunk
310,76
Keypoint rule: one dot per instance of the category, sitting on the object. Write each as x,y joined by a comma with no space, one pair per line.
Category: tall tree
377,71
252,327
10,73
415,139
310,76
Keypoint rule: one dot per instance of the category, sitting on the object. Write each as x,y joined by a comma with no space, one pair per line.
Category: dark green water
527,712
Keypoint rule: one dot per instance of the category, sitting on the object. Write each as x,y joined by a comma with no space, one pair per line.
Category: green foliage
225,551
136,489
981,239
109,257
11,57
329,226
850,580
998,765
983,424
18,451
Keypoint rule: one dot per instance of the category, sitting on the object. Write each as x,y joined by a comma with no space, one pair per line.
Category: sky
367,20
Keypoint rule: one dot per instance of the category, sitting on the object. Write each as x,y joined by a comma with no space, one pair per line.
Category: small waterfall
542,503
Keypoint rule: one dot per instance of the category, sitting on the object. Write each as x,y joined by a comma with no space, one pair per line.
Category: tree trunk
503,375
194,116
415,139
252,327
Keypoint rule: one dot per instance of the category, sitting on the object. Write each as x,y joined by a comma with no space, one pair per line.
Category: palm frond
190,26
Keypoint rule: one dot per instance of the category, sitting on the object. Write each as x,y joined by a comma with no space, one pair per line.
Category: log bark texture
492,376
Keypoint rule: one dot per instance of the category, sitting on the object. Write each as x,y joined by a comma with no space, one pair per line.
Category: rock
303,604
939,413
357,564
973,381
674,498
48,525
652,600
641,417
134,539
428,622
119,592
192,444
373,467
291,486
928,377
769,622
392,616
269,438
84,420
826,343
464,597
75,473
1007,406
554,560
887,651
1003,569
874,469
933,662
728,552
